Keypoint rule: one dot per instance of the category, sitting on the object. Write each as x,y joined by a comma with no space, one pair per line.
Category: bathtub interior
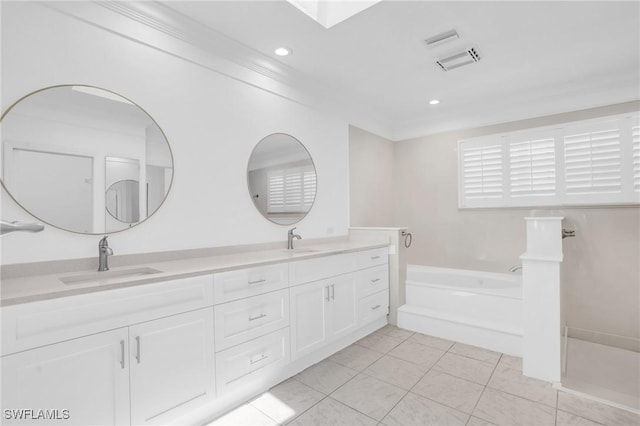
481,282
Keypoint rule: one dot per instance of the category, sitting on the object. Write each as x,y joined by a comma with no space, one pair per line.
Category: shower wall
601,271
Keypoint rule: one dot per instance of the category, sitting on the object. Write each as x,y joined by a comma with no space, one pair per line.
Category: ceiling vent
459,59
442,38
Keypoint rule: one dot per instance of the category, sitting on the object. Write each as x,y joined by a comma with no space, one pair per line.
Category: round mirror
123,201
282,179
84,159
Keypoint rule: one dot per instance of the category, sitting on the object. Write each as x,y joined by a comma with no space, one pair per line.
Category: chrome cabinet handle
258,317
376,280
333,292
327,296
122,353
375,257
138,349
375,307
262,358
257,281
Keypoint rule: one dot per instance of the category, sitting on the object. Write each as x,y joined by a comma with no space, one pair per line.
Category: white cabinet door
172,368
342,305
88,376
322,311
308,317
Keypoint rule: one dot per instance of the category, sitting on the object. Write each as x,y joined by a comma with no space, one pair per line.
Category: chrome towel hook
566,233
408,238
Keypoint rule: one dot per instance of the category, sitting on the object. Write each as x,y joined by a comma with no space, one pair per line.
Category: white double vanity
184,340
160,342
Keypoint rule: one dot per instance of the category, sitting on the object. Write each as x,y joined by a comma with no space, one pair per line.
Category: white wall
371,171
212,123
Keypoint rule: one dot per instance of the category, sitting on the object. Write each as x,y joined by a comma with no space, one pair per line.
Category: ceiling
537,58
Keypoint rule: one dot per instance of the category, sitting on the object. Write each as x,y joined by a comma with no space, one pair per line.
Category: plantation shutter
532,168
593,162
291,190
275,193
309,187
481,171
589,162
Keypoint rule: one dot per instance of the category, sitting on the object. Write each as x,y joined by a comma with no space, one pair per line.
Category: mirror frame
315,196
173,164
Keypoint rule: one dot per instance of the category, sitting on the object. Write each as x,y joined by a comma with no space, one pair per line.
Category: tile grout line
520,396
484,389
356,375
409,391
329,396
362,372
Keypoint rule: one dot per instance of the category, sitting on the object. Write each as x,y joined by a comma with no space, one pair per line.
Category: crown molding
158,26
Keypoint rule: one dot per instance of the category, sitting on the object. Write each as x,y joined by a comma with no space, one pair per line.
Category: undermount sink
300,250
108,277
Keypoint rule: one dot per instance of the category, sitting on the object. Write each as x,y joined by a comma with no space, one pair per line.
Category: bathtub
478,308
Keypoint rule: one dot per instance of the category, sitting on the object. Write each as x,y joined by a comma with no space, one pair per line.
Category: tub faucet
515,268
290,237
104,251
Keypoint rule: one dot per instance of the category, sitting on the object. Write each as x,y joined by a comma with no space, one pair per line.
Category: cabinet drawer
369,258
242,320
309,270
244,363
372,280
242,283
30,325
373,307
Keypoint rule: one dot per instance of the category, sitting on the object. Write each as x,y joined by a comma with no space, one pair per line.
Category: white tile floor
394,377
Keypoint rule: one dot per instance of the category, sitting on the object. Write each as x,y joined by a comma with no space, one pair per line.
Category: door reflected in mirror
84,159
282,179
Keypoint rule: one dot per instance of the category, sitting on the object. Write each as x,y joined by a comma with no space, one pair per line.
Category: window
591,162
482,172
291,190
532,165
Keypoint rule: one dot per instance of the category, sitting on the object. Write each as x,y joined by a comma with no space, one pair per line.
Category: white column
541,343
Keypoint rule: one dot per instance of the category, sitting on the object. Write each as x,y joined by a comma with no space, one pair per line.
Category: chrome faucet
515,268
104,251
290,237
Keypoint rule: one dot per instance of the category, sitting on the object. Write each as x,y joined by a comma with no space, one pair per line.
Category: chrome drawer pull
375,257
138,349
375,307
327,298
258,317
376,280
262,358
257,282
122,353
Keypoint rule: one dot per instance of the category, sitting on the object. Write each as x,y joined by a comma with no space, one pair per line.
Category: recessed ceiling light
434,102
283,51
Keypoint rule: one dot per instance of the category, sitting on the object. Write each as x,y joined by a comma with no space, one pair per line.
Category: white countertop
42,287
